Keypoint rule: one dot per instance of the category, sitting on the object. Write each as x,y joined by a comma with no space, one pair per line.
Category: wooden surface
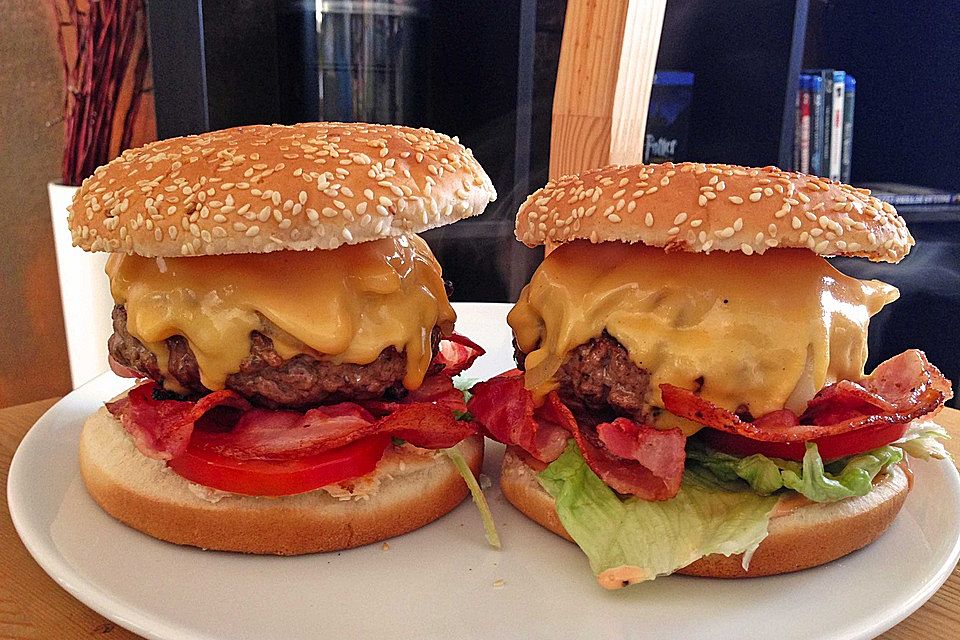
603,83
33,606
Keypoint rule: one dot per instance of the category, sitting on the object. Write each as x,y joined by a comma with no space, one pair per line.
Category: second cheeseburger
292,333
693,396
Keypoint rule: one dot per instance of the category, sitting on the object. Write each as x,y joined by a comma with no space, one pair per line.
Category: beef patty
600,376
264,377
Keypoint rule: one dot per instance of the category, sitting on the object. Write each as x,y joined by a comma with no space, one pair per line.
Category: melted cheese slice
763,331
346,304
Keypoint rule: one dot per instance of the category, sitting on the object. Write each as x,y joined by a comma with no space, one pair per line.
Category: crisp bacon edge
630,458
163,429
899,390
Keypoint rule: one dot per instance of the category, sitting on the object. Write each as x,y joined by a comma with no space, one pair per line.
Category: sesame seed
648,219
747,249
681,217
755,197
735,199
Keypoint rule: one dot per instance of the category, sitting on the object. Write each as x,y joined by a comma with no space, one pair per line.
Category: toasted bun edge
809,536
145,494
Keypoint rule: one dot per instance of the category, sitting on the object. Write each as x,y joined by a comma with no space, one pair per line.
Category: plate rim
55,565
140,621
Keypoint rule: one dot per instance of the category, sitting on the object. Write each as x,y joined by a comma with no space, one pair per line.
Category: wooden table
33,606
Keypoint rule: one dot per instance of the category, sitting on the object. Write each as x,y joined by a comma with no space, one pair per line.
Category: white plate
443,581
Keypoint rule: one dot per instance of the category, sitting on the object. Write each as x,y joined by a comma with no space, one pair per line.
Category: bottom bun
145,494
799,538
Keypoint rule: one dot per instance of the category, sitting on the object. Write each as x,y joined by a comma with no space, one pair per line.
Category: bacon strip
121,370
899,390
507,413
436,389
161,428
264,434
635,459
895,386
457,353
629,457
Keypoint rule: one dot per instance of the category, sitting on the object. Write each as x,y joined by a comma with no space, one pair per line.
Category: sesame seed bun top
714,207
262,188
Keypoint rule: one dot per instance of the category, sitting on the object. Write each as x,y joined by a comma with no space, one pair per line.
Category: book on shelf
849,92
668,119
911,195
828,133
836,124
803,131
816,131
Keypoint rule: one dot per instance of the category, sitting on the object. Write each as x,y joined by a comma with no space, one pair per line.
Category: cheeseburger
291,333
691,394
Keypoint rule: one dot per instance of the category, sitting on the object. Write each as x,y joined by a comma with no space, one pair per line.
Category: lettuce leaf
818,481
464,384
763,474
922,440
480,500
631,540
851,476
854,478
723,506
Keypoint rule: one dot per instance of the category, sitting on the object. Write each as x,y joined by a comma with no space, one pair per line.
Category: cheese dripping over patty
346,304
763,332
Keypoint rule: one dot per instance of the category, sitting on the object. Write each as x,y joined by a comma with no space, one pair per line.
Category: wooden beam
604,78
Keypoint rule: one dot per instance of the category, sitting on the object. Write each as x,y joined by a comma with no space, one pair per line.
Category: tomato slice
830,447
265,477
